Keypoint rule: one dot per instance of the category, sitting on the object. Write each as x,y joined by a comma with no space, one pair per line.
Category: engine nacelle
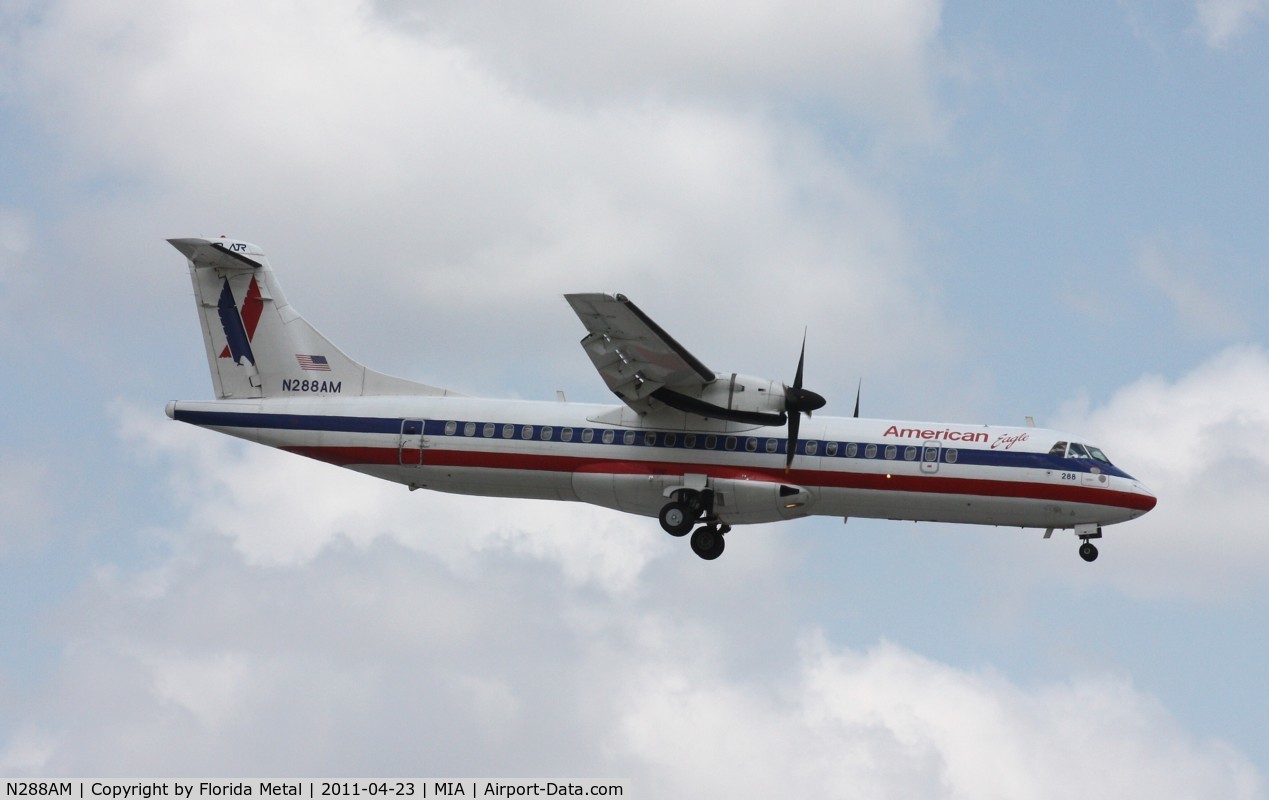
740,502
742,398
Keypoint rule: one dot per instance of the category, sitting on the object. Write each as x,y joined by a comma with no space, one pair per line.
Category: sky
980,212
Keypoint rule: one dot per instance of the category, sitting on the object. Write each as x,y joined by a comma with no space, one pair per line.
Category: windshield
1077,450
1098,454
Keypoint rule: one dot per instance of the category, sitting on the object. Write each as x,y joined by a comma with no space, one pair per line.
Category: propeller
796,402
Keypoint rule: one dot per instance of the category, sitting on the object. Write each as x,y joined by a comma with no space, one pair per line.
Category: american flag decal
313,363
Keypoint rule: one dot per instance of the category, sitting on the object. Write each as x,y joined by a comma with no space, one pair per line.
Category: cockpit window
1098,454
1058,449
1076,451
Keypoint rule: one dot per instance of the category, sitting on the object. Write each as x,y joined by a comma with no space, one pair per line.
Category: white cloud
413,180
27,503
1222,21
1201,443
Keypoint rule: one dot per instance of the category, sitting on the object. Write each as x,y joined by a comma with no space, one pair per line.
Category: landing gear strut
681,514
1088,551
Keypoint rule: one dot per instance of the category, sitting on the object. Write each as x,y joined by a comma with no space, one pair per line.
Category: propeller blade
795,422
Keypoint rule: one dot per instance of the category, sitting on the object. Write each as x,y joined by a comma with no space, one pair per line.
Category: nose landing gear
1088,551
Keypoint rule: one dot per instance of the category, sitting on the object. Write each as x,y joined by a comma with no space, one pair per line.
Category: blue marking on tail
231,322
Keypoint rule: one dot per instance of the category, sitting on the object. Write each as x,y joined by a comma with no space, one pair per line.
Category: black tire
708,543
677,519
1088,551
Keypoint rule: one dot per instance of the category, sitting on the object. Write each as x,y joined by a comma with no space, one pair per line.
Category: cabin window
711,442
949,455
909,454
812,447
671,439
730,443
891,452
773,445
508,431
547,433
489,429
830,449
751,444
1058,449
588,435
566,434
852,450
628,437
451,428
650,438
469,429
689,441
931,454
870,451
526,432
609,436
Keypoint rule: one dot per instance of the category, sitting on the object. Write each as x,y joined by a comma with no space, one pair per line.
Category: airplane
700,450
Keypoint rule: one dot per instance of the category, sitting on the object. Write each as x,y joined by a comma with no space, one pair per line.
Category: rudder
257,344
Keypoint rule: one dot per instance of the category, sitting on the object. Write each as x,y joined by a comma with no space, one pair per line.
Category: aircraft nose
1147,500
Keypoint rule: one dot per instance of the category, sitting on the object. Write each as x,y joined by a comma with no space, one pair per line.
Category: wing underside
635,357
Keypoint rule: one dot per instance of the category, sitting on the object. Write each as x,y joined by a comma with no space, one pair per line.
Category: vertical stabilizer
257,344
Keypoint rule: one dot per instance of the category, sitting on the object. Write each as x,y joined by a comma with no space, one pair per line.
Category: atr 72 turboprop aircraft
694,447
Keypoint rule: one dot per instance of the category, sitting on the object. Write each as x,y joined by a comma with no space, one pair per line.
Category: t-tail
257,344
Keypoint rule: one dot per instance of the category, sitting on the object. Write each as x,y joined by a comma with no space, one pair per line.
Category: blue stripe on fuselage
392,425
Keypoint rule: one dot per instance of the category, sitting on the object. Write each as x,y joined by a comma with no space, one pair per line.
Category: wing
633,354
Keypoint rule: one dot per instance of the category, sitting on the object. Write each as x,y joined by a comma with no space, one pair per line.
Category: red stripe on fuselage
835,479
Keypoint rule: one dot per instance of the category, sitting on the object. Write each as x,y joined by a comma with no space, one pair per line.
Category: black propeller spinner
796,402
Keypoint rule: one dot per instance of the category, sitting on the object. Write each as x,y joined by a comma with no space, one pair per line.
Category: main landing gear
681,515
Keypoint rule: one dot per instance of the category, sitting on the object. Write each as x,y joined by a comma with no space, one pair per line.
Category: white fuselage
607,456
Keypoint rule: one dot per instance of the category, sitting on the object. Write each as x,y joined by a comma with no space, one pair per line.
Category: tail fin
257,344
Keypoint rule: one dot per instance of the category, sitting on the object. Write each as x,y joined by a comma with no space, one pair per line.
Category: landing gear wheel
677,518
1088,551
708,542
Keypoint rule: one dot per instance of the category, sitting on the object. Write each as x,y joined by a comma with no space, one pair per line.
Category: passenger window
711,442
891,451
547,433
1058,450
949,455
812,447
566,434
609,435
588,435
689,441
830,449
931,454
773,445
650,438
852,450
751,444
671,439
508,431
909,454
870,451
526,432
489,430
730,443
469,429
628,437
451,428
